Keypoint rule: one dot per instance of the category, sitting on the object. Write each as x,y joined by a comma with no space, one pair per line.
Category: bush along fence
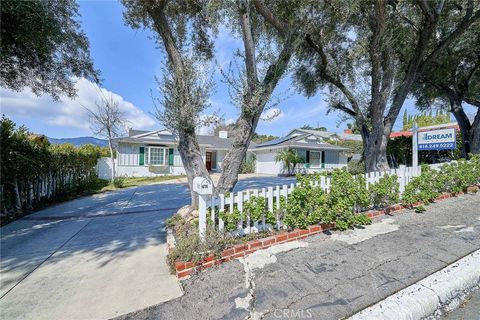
319,202
35,173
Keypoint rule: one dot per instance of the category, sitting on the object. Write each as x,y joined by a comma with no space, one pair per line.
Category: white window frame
319,159
148,156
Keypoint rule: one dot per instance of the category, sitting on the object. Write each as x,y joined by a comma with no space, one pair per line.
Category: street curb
432,296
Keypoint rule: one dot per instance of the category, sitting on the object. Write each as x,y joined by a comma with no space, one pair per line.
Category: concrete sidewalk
331,276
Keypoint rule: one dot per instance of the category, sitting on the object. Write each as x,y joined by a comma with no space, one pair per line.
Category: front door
208,161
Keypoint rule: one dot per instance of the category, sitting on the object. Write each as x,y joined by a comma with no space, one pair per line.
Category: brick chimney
347,131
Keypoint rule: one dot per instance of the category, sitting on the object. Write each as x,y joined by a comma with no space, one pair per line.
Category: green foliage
386,191
261,138
452,177
231,220
400,149
119,182
306,204
189,247
248,165
290,158
458,176
255,208
423,188
425,119
27,160
347,195
43,47
420,209
309,127
356,167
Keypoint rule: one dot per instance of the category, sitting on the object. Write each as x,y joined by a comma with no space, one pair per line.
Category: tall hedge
33,172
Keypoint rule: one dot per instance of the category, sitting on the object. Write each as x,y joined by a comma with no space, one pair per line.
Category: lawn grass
139,181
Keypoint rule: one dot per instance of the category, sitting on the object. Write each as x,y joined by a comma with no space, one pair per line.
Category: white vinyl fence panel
217,204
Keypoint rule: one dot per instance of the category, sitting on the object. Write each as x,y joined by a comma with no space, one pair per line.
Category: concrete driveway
95,257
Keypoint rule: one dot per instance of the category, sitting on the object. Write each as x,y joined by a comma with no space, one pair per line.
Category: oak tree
43,47
368,54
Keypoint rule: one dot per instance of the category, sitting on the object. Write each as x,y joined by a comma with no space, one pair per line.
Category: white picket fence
213,205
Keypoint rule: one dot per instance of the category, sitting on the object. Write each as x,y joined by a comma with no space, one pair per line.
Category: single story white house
311,145
150,153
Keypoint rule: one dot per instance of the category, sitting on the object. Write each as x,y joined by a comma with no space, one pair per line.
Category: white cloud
271,115
69,112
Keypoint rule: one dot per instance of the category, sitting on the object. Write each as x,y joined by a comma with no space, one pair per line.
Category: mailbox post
204,188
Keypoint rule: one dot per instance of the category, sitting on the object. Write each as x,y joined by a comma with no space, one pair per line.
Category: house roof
329,135
409,133
298,141
164,137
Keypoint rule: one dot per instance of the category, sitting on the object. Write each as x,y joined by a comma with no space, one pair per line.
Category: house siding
128,154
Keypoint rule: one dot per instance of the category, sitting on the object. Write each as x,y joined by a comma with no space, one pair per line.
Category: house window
156,156
315,158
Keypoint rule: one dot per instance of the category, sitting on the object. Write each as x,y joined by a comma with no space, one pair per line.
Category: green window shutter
323,159
170,157
307,157
141,160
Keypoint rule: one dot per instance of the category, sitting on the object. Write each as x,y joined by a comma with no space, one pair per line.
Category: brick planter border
184,269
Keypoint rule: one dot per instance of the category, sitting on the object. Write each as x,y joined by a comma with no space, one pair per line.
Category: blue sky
129,61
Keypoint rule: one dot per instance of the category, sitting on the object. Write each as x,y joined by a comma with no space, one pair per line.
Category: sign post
204,188
415,146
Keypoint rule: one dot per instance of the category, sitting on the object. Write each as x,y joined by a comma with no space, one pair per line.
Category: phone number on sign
430,146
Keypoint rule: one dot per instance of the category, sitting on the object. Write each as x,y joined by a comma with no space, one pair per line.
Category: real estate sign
443,139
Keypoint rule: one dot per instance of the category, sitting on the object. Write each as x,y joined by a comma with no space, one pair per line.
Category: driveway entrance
95,257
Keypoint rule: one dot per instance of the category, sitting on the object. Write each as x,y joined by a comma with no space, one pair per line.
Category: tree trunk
475,134
375,149
2,199
18,200
192,162
243,133
29,188
470,131
112,158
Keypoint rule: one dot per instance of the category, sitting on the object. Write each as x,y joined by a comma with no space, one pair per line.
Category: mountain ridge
79,141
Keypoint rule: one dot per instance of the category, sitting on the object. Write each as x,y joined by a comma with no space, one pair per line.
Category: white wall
104,168
266,162
127,154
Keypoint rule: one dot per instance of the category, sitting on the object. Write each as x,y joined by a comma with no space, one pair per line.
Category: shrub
420,209
385,192
306,204
248,165
458,176
347,195
189,247
290,158
423,188
257,209
231,219
356,167
119,182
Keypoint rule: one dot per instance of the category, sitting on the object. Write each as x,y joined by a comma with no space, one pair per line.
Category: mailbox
202,186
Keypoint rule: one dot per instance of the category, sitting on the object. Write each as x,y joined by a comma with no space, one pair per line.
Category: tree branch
356,112
467,21
249,45
268,15
161,25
